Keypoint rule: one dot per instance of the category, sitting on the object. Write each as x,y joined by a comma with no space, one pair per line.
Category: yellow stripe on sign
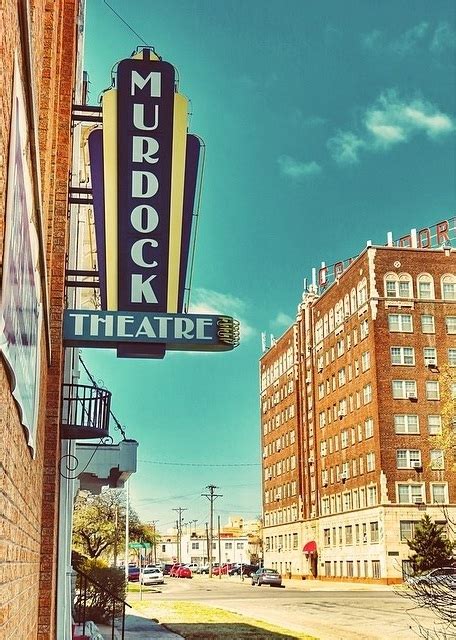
177,199
139,55
109,104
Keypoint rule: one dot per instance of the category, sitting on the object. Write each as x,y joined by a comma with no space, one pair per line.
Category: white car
151,575
193,566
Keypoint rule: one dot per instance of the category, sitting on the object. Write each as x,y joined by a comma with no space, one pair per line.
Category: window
365,361
369,428
408,458
228,545
439,493
432,390
403,389
367,394
434,425
449,287
349,534
341,377
322,419
403,355
400,322
437,460
340,348
427,324
364,329
372,495
430,356
398,286
406,423
425,287
295,541
362,292
374,532
452,357
344,440
376,569
239,545
450,322
410,493
347,501
407,529
370,461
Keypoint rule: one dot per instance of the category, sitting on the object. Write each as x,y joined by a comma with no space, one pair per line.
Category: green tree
431,548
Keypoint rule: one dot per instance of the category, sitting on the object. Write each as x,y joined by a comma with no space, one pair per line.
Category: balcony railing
85,412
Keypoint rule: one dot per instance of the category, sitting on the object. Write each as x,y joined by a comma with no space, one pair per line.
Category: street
329,611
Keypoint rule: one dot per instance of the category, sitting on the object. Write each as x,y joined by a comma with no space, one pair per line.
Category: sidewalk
138,627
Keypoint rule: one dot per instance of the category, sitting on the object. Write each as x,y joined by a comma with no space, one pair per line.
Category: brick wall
29,486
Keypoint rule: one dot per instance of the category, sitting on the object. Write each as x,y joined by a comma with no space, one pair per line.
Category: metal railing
88,593
85,411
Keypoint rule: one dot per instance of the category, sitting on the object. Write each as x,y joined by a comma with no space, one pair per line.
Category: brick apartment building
38,59
351,411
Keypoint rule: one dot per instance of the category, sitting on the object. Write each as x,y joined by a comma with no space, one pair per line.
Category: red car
174,568
183,572
224,569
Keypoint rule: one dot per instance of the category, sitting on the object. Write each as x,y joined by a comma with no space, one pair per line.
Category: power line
126,23
202,464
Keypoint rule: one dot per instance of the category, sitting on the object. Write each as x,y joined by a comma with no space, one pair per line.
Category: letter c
137,253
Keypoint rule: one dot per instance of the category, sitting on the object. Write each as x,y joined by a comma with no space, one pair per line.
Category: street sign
139,545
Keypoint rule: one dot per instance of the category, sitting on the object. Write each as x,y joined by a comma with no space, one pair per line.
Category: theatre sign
145,176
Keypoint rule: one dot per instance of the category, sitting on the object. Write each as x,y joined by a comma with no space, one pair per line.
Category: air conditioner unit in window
416,465
308,380
418,500
412,396
324,484
342,414
320,369
310,459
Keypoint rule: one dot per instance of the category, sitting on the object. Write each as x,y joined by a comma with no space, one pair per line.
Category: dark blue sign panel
144,141
192,332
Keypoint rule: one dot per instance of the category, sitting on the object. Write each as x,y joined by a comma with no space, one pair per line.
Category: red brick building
38,58
371,355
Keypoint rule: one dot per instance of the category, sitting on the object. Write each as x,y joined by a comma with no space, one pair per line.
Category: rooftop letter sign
145,176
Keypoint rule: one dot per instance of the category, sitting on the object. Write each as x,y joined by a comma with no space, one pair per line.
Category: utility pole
179,510
211,496
153,523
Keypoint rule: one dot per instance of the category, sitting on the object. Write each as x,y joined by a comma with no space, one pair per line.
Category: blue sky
326,124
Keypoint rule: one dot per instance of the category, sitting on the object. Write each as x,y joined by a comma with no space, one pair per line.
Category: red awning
310,547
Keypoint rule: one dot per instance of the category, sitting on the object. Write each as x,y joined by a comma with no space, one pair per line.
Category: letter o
137,218
137,253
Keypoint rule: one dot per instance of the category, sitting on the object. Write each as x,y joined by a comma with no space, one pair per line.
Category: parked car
174,568
247,569
193,566
267,576
167,568
151,575
204,568
133,574
439,576
224,569
183,572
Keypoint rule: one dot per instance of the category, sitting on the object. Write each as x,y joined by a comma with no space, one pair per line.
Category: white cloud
296,169
283,320
214,302
444,38
406,43
390,121
345,147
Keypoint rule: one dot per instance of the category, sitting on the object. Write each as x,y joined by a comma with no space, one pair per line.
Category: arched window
346,306
449,287
362,292
339,313
398,286
353,306
405,286
325,325
319,331
425,285
331,320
